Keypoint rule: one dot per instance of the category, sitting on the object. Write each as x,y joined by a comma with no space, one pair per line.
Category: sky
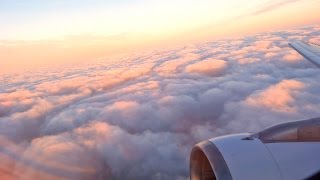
49,32
43,19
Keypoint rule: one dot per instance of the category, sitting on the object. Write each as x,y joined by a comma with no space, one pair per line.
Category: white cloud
139,118
210,67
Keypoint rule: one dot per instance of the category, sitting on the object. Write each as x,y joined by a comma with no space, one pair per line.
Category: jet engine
288,151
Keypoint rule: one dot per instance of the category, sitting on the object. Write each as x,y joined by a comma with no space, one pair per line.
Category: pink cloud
248,60
292,57
209,67
278,97
139,117
123,105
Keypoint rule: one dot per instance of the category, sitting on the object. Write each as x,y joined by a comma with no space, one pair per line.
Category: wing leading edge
309,51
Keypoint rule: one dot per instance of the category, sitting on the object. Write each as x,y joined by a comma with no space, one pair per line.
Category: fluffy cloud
277,97
138,118
210,67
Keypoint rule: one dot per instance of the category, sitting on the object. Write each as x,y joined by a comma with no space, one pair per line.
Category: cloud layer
139,118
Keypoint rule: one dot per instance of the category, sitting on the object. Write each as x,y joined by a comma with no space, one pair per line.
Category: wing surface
309,51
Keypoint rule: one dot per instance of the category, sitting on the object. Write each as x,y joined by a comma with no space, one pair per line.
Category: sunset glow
43,32
123,89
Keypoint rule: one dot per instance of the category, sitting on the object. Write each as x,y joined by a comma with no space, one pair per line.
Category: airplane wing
309,51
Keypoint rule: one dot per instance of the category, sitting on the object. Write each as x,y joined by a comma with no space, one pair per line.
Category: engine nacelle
286,151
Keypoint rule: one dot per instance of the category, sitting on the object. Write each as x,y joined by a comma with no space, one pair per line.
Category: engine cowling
283,152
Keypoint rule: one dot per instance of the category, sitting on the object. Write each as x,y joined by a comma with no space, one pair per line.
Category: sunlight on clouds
278,97
293,56
137,117
210,67
41,34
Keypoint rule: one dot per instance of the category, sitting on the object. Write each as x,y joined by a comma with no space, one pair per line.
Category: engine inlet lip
213,154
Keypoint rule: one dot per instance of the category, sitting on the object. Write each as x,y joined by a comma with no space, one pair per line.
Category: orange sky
40,33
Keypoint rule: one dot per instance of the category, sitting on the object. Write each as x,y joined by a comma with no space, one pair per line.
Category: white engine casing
289,151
